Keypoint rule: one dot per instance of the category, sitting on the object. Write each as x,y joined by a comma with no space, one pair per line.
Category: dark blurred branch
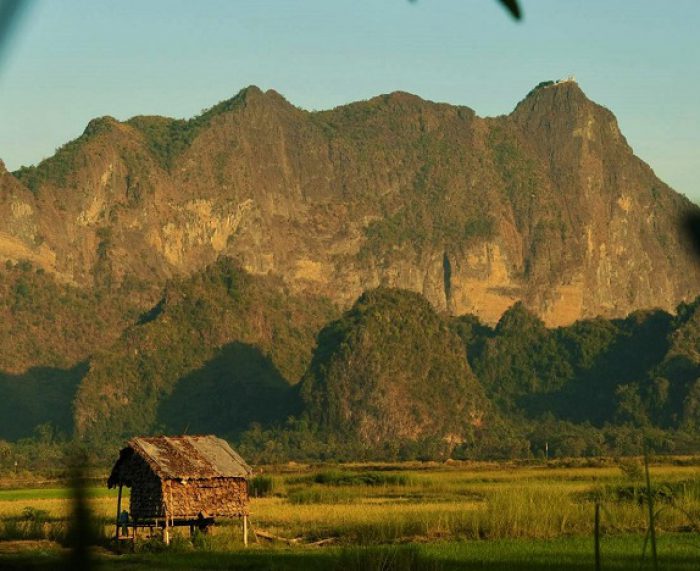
691,227
10,10
513,8
80,537
510,5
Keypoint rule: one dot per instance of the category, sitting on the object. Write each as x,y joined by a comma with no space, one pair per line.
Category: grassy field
417,516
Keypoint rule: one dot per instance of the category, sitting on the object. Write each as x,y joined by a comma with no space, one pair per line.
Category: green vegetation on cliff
168,138
44,323
390,371
220,351
596,387
391,378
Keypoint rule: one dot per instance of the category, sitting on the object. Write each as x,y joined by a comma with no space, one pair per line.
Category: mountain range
153,265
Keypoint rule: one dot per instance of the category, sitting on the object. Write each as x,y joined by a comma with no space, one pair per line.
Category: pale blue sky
72,60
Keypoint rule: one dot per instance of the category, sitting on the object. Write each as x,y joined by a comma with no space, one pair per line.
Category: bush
631,469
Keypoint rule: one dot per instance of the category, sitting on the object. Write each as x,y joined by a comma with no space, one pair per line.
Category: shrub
631,469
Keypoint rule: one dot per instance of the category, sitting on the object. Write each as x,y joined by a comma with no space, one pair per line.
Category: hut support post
245,530
119,511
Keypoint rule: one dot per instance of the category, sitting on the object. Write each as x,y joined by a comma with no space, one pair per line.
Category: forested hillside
390,378
220,350
390,375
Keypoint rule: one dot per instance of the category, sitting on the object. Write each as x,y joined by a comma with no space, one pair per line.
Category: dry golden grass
56,508
441,502
466,502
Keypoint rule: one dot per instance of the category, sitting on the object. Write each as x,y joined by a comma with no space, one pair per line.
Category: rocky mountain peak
251,96
100,125
399,98
560,118
555,103
561,95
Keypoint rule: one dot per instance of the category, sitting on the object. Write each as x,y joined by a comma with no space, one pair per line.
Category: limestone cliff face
547,205
21,230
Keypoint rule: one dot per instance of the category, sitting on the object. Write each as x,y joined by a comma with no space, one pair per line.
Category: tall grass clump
685,500
314,495
32,524
390,530
533,511
262,486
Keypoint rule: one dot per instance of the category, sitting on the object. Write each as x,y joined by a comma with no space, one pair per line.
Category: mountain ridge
547,204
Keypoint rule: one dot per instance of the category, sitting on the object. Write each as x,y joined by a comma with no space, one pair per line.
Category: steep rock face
617,244
547,205
21,232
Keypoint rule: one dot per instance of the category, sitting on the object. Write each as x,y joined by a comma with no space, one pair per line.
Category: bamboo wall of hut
182,478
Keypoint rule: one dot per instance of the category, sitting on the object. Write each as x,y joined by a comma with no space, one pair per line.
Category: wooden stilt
245,530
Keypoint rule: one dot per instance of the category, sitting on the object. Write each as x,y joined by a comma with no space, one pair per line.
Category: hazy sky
69,61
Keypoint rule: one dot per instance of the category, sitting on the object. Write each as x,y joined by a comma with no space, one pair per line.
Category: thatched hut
181,480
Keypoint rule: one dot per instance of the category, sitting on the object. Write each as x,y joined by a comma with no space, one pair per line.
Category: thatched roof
182,458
